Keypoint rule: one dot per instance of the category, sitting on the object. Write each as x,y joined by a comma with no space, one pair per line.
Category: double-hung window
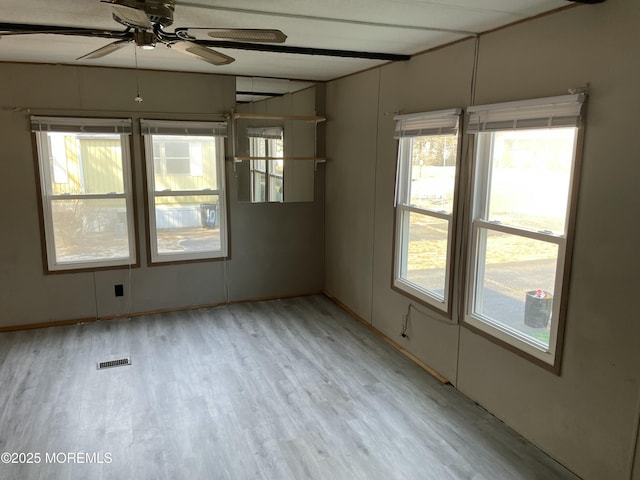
425,198
185,189
85,187
523,183
266,147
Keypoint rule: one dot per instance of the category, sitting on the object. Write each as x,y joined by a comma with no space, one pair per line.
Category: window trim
44,177
213,129
417,125
551,359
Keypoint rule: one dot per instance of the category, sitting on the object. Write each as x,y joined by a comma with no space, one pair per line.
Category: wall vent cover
121,362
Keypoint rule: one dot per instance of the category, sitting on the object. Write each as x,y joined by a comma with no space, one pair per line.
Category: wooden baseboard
395,345
59,323
31,326
207,305
161,310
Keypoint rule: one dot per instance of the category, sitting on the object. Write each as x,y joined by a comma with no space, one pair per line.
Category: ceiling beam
7,29
327,52
24,29
260,94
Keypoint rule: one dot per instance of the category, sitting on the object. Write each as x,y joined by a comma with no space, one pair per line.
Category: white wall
586,417
275,250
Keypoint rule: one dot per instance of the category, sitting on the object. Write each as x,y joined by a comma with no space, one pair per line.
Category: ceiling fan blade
106,50
249,34
69,31
132,17
203,53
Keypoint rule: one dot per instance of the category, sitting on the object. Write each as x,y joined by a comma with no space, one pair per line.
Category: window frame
216,130
45,169
408,127
478,228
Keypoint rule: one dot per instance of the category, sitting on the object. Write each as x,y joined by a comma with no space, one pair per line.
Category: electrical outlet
119,290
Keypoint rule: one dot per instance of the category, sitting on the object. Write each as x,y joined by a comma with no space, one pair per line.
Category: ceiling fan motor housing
146,40
160,12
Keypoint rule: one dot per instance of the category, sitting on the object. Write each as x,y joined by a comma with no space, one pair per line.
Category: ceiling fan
145,21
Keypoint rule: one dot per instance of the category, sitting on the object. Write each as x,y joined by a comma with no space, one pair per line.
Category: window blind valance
561,111
442,122
265,132
175,127
81,125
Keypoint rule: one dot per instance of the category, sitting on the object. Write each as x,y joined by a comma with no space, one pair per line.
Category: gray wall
276,250
587,417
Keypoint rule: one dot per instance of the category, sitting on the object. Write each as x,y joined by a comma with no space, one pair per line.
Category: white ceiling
387,26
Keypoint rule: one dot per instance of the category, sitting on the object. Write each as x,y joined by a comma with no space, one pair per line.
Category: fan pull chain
138,98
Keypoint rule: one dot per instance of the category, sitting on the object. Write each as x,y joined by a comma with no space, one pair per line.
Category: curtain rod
40,110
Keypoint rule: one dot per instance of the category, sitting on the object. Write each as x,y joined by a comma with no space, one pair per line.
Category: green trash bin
537,308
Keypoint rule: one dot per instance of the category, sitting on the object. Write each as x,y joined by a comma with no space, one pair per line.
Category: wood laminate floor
285,389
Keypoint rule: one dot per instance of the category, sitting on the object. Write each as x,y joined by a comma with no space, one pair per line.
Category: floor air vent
121,362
